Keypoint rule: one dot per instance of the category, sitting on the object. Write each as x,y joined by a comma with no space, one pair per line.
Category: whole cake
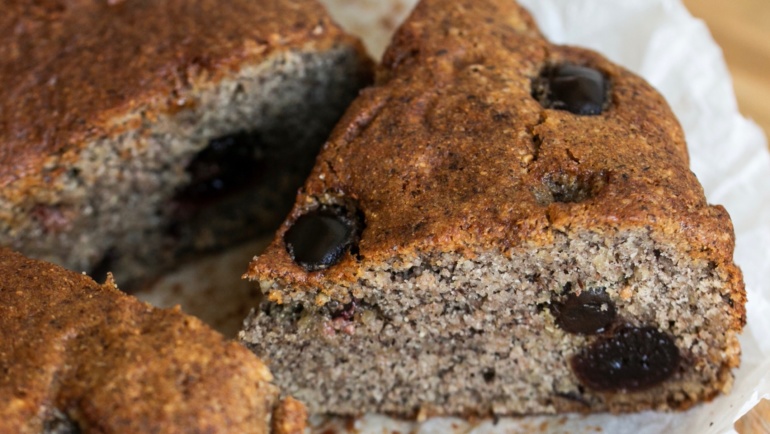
79,357
134,134
500,225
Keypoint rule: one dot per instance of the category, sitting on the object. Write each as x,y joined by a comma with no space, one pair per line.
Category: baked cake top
76,353
480,135
73,69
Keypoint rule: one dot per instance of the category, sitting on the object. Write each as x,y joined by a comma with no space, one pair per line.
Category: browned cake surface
289,417
456,151
486,214
78,355
136,134
58,87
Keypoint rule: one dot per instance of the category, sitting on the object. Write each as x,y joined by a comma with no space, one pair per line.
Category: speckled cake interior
138,145
453,334
500,226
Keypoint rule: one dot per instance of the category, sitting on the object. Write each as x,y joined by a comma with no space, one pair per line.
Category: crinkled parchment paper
672,50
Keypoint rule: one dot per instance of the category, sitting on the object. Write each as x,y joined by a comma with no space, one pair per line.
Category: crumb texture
481,335
107,114
528,214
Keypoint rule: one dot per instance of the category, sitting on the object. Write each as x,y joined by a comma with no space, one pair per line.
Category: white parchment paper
660,40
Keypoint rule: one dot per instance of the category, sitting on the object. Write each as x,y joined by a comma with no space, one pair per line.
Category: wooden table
742,29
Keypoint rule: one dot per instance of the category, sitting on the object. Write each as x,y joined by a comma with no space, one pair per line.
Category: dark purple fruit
225,166
577,89
633,359
589,313
319,238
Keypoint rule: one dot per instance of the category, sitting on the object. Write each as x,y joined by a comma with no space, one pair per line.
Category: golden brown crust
113,364
289,417
449,152
57,89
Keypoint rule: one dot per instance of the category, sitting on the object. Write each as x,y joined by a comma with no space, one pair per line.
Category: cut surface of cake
135,134
76,356
500,225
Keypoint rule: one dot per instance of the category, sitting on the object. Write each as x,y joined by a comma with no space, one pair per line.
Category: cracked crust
457,151
480,207
50,64
79,354
103,107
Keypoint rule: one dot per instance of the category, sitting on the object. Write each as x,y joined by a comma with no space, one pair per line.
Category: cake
137,134
77,356
499,226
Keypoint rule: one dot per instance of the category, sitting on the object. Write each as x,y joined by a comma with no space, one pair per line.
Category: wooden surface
756,421
742,29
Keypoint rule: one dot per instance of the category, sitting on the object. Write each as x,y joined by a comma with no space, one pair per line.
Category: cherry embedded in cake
533,239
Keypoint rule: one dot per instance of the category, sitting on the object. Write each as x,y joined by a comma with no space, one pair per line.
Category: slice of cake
500,225
134,134
76,356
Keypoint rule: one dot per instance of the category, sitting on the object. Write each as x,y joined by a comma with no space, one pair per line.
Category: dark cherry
633,359
319,238
583,313
577,89
226,165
